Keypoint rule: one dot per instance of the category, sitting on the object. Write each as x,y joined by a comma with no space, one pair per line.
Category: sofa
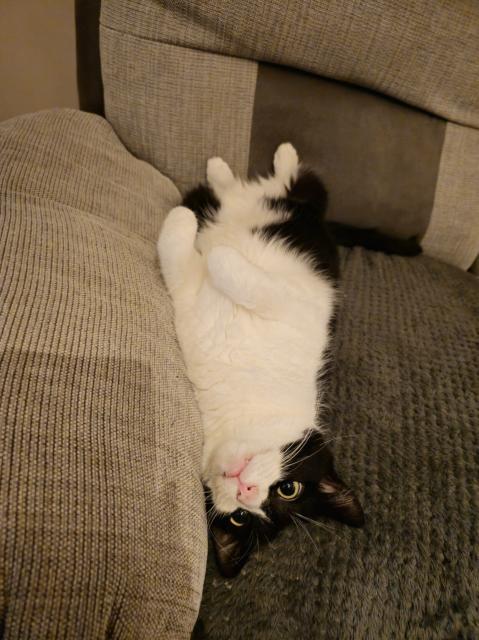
103,526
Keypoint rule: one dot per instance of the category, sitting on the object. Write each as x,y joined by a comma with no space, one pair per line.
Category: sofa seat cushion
404,421
103,531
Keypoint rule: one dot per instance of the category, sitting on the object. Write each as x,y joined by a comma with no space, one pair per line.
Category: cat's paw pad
286,162
218,173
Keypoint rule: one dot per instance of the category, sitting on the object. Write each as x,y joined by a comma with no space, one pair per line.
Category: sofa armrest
104,523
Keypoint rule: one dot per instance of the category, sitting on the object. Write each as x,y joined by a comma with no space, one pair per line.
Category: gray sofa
103,529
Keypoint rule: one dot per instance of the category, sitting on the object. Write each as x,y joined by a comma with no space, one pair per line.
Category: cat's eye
239,517
289,489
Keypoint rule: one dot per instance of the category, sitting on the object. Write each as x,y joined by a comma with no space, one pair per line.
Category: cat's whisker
302,441
288,464
321,525
291,450
343,437
295,522
211,512
215,538
297,462
213,509
270,543
325,444
209,522
291,462
248,548
309,535
289,454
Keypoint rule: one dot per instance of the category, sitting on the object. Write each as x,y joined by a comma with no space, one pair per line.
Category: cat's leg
219,176
286,168
286,164
244,283
181,264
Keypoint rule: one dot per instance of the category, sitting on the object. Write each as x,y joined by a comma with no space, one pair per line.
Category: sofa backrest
382,99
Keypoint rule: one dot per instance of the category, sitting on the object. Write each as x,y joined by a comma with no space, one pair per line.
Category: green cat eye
290,489
239,517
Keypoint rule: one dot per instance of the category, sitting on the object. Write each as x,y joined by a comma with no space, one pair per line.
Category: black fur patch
374,240
305,230
203,202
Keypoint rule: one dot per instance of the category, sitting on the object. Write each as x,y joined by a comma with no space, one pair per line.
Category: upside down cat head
306,487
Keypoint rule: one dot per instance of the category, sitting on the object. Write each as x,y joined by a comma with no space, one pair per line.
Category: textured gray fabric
453,233
423,52
175,100
103,529
405,421
176,107
378,158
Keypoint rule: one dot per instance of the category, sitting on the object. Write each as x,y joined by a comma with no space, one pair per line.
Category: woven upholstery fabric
175,107
185,81
379,158
422,52
453,232
102,531
404,420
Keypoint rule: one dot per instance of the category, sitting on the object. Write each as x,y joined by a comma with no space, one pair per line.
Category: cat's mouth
230,494
240,479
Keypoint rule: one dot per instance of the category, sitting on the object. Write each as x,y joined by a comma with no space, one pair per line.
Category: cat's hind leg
286,169
286,164
181,264
219,176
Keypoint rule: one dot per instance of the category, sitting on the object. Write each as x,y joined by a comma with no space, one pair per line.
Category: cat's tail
374,240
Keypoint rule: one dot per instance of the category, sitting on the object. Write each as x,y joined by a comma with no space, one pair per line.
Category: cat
252,269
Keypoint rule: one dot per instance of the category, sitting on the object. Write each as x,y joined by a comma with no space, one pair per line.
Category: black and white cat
252,271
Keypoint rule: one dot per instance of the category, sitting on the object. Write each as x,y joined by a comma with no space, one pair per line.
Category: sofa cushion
404,421
422,53
103,530
187,81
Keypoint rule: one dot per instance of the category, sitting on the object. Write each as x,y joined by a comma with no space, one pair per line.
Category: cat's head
297,481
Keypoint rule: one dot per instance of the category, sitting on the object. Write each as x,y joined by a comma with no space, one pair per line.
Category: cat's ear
231,551
339,502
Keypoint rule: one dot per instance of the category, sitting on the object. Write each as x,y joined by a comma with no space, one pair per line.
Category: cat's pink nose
246,491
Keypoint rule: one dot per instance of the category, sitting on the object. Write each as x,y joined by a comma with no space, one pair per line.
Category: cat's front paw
286,163
179,228
180,219
219,174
